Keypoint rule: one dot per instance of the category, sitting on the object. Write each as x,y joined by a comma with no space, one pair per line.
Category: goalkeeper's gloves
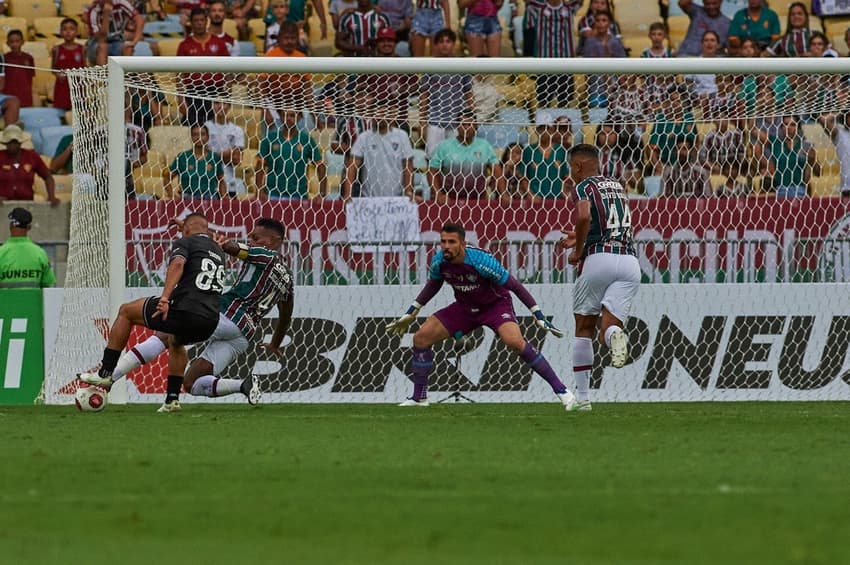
399,327
543,323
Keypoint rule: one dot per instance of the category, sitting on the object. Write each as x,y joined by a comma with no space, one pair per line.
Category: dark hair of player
195,215
454,228
584,150
272,225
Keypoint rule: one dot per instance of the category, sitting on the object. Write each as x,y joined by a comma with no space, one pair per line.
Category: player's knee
421,340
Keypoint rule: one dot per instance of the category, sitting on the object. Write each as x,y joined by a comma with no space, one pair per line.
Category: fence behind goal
736,207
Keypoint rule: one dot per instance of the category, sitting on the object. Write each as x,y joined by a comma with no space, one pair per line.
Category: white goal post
765,322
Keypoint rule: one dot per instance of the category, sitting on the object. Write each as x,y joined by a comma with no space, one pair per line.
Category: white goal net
736,182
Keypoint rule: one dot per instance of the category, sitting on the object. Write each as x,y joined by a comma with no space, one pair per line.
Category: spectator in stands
602,43
198,89
217,14
23,264
359,29
283,161
400,13
707,17
585,24
618,159
724,152
819,46
241,12
756,21
553,23
66,55
675,120
482,29
795,42
200,172
545,164
18,167
430,17
705,85
18,77
516,185
392,91
146,104
228,140
657,37
284,90
791,161
280,11
298,15
629,107
338,8
382,161
838,128
107,21
684,176
460,167
488,98
442,97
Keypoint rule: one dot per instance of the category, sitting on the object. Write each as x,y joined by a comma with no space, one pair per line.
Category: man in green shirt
283,162
23,264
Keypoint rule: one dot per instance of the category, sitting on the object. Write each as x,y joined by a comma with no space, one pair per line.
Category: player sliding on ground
187,309
609,274
482,288
263,281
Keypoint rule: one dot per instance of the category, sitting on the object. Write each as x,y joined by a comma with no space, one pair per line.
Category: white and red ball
91,398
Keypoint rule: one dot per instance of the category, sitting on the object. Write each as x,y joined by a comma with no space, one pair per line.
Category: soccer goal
736,169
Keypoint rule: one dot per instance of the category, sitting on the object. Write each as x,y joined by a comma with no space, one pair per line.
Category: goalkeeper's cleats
251,389
169,407
568,399
619,348
94,378
412,402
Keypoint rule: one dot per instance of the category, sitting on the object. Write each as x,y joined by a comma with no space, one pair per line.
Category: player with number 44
609,275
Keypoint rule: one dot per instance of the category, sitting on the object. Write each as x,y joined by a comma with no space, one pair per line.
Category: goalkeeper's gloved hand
542,322
399,327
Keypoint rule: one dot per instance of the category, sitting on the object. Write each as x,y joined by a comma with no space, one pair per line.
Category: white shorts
224,344
608,280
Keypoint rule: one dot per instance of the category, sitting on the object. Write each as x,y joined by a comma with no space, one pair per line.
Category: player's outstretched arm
284,319
231,247
399,327
513,285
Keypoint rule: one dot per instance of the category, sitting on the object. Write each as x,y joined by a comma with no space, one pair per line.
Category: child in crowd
280,11
657,36
66,55
18,79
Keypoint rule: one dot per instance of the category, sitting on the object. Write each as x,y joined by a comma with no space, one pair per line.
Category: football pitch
706,483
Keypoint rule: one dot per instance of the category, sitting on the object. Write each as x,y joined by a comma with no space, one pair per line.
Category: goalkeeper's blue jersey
476,282
262,282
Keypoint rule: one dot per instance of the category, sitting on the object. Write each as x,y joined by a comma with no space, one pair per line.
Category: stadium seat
826,185
163,29
75,9
51,136
825,149
38,49
837,25
247,49
169,140
230,28
32,9
838,43
257,29
143,49
37,118
7,24
168,47
678,26
47,27
149,187
64,186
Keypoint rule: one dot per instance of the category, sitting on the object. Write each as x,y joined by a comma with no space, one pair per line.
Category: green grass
473,484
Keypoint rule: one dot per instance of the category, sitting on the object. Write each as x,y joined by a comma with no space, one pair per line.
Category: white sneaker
568,399
619,348
582,406
412,402
254,393
167,407
95,379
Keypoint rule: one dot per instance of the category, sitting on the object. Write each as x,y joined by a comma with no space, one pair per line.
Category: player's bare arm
284,319
172,277
582,228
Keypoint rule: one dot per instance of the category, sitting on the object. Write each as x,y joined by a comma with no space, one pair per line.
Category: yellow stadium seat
257,29
7,24
839,44
230,28
64,186
169,141
678,26
38,50
837,25
32,9
151,187
825,149
168,47
154,167
826,185
47,27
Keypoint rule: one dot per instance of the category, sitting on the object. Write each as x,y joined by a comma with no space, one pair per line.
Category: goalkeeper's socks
423,362
110,359
582,366
541,366
172,390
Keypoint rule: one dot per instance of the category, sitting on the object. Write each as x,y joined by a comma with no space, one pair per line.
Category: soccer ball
90,398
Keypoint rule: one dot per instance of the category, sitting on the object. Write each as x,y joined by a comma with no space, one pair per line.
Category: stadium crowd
440,137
